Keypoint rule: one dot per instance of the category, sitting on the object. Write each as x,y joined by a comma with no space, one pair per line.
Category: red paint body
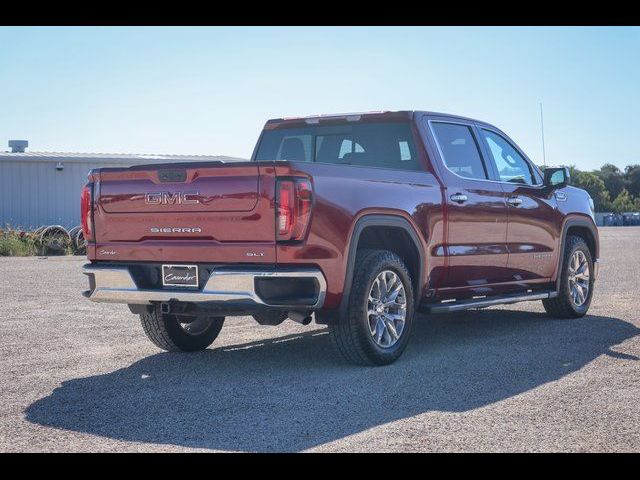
482,247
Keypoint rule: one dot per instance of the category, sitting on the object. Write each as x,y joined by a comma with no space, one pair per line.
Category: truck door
476,243
534,223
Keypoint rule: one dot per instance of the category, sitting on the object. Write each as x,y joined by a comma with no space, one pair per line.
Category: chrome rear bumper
227,287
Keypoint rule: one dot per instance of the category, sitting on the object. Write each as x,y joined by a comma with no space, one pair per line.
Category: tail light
86,214
294,199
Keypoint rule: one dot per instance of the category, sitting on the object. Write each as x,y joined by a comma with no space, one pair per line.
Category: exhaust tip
303,318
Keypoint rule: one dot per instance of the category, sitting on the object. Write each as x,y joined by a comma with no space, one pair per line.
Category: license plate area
185,276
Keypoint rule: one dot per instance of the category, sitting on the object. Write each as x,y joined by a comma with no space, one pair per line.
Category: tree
595,186
632,176
623,202
573,172
613,178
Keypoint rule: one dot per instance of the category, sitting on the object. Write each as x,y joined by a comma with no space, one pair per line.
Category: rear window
385,145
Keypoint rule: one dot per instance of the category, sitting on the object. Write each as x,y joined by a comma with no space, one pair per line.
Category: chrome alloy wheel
579,278
387,309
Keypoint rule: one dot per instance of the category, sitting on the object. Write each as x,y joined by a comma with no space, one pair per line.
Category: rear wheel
576,282
180,332
380,311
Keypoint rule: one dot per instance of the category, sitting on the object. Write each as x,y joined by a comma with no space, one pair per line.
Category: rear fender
379,220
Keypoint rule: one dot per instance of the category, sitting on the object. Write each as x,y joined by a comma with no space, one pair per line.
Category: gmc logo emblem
171,198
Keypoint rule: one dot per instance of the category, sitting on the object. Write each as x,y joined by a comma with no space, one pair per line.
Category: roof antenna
544,156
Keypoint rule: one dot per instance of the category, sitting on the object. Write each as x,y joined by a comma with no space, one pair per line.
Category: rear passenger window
459,149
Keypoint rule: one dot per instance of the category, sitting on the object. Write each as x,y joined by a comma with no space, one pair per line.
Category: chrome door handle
458,197
515,201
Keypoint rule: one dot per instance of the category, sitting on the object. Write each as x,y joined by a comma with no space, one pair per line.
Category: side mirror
556,177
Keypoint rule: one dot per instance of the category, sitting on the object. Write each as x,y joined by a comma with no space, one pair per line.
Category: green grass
13,244
16,243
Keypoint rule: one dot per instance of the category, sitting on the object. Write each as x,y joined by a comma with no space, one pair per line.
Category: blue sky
209,90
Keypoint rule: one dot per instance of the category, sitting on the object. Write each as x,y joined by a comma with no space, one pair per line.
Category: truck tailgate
202,212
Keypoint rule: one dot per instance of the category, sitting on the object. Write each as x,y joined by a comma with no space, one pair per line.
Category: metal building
43,188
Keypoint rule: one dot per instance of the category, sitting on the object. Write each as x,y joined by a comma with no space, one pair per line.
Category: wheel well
588,237
397,240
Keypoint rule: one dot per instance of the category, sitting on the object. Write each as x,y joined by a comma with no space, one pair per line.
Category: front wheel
378,323
576,282
180,333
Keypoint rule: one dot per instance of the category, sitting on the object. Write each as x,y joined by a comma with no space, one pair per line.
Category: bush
18,243
14,243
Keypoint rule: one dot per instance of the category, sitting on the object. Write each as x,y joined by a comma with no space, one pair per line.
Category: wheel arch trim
380,220
581,222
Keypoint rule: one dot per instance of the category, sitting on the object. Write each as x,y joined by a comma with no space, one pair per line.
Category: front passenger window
510,164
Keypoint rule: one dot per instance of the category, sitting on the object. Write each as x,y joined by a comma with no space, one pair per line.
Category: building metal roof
125,158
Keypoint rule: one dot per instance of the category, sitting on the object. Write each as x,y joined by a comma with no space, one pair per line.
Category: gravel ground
78,376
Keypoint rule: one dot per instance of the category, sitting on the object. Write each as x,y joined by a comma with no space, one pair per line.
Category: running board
456,306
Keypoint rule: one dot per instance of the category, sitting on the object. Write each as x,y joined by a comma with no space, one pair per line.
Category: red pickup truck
356,220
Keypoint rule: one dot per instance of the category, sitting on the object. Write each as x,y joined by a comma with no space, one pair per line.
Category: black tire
80,243
351,335
563,306
166,331
55,240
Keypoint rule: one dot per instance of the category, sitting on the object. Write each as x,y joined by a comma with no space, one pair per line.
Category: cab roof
373,116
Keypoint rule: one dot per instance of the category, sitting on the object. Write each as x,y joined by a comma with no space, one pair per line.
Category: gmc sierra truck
356,221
